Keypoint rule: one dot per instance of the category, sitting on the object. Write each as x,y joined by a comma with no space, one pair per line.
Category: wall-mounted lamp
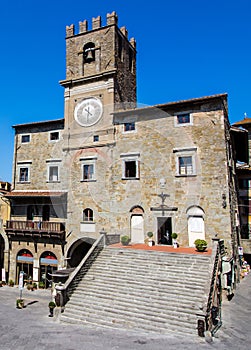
224,200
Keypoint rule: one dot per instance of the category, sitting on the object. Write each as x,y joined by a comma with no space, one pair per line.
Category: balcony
36,228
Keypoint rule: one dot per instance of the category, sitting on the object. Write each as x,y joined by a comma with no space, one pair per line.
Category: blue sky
186,49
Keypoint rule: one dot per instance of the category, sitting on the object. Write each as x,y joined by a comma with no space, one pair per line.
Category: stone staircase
141,290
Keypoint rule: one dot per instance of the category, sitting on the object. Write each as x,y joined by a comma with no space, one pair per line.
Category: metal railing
65,290
210,318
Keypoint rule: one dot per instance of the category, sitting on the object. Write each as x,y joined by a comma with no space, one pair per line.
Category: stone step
139,303
145,290
133,319
151,276
148,284
154,258
163,296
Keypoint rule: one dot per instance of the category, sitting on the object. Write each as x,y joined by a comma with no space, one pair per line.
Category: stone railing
64,291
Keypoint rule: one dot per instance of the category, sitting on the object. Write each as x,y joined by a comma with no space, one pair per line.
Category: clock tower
100,75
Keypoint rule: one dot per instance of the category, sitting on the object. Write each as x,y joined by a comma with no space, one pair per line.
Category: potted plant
200,245
20,303
150,238
125,240
52,306
11,283
29,286
41,285
174,237
34,285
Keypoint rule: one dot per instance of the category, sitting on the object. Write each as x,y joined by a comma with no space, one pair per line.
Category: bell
89,55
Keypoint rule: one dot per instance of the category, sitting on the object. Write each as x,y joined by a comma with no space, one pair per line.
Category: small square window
95,138
25,138
54,136
183,118
129,126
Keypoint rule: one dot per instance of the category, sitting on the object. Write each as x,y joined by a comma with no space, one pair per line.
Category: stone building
243,172
111,166
4,216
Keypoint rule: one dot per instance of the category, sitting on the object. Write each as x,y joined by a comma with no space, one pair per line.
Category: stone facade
132,170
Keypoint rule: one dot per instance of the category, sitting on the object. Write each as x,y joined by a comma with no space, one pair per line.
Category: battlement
111,19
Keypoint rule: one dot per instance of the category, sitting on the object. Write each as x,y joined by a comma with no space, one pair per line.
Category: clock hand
88,111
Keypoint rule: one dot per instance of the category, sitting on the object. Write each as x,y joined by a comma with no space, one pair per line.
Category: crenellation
112,18
83,26
133,42
70,30
96,22
124,31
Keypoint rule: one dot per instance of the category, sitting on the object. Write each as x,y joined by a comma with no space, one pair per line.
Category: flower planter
20,303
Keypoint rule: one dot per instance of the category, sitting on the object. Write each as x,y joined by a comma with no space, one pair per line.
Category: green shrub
200,244
174,235
149,234
125,240
52,304
11,283
41,284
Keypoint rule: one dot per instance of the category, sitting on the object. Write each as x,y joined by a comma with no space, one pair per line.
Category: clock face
88,112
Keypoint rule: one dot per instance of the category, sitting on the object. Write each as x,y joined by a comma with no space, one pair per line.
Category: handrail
64,288
213,293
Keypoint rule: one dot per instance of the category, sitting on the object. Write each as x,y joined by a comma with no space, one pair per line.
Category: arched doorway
48,264
25,264
78,250
196,225
137,225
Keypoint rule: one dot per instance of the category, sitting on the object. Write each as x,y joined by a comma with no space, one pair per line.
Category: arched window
88,214
89,52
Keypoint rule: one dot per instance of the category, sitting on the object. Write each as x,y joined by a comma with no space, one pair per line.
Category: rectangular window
185,165
88,168
88,172
130,168
24,174
130,164
183,119
185,161
53,173
243,184
25,138
54,136
129,126
95,138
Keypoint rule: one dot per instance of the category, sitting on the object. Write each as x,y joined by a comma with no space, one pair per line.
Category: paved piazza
31,328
